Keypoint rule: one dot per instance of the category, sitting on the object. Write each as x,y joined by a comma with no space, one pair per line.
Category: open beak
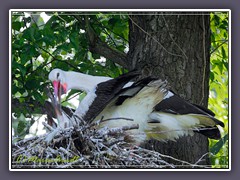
59,89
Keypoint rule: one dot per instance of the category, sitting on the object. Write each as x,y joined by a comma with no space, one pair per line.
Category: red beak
59,89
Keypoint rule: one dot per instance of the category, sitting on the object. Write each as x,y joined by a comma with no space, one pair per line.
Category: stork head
58,78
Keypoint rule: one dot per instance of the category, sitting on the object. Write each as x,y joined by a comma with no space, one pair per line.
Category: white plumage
160,113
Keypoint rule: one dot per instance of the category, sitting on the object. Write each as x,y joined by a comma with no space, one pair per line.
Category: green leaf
72,92
212,37
74,39
216,20
112,21
38,97
21,126
95,56
16,25
224,53
40,21
225,64
82,95
217,147
21,68
220,67
211,75
32,84
29,33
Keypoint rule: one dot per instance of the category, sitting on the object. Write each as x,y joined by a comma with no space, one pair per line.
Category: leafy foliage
39,46
218,99
41,42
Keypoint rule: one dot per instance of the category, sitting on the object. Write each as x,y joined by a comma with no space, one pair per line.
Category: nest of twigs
86,147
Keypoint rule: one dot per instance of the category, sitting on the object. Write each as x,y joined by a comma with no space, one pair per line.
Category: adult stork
159,112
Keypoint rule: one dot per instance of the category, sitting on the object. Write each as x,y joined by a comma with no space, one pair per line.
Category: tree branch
96,45
218,46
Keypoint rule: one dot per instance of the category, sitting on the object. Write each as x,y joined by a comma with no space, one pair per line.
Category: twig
47,126
226,40
123,118
117,130
204,155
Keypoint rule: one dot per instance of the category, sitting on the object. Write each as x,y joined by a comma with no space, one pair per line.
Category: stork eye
57,75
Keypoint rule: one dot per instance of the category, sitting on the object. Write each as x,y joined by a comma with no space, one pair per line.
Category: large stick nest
86,147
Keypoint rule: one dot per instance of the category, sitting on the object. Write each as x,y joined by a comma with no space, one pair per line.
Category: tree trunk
175,47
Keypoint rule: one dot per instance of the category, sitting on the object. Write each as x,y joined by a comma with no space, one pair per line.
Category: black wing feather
205,109
131,91
106,91
177,105
210,132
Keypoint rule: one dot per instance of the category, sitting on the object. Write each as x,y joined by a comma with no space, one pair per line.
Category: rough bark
175,47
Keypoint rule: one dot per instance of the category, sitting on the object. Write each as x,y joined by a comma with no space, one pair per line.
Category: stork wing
177,105
106,92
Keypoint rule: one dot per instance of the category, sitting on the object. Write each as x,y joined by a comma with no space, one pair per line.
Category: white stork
159,112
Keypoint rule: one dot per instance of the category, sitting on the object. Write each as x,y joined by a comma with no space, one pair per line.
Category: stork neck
83,82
